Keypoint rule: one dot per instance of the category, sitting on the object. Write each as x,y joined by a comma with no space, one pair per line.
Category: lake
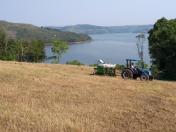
112,48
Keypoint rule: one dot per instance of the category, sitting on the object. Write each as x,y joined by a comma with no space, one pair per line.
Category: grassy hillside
92,29
30,32
60,98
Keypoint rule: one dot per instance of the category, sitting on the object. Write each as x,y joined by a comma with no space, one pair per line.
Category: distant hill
31,32
92,29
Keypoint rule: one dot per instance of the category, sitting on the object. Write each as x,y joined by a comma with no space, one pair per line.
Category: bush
74,62
155,71
120,67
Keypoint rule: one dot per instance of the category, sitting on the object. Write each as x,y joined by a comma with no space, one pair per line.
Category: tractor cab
133,71
130,62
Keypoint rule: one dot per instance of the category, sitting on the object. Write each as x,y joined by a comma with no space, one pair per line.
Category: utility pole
140,46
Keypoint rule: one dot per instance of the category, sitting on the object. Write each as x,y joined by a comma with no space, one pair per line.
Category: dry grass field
60,98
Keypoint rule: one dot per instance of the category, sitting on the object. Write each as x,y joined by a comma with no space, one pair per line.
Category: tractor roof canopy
132,60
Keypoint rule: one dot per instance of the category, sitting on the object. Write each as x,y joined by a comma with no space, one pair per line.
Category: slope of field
60,98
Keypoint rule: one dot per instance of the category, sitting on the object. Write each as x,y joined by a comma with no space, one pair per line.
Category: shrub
74,62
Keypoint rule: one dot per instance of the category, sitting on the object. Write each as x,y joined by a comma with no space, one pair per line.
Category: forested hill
30,32
92,29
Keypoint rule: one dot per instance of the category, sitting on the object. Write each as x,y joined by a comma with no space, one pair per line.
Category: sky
96,12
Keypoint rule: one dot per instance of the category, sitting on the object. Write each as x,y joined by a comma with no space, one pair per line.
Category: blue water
112,48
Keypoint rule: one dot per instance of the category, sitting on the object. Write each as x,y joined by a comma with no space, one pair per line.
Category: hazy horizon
77,24
92,12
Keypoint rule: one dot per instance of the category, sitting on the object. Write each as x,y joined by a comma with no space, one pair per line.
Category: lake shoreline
71,43
111,48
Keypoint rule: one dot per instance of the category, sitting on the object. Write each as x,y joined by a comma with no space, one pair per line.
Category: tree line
27,51
20,50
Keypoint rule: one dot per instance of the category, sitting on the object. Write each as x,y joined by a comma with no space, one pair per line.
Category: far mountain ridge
93,29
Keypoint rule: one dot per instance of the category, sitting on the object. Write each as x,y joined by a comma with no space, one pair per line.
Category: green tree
21,48
141,64
3,43
59,48
162,47
155,71
38,50
29,51
10,53
6,46
35,51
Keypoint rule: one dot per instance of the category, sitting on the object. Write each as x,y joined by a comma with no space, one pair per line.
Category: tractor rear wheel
144,77
127,74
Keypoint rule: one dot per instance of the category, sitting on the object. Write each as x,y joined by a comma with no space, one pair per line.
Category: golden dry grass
60,98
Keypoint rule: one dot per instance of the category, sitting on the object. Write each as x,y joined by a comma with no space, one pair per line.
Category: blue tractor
134,72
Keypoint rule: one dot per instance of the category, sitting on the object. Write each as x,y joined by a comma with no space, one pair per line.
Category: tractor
134,72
